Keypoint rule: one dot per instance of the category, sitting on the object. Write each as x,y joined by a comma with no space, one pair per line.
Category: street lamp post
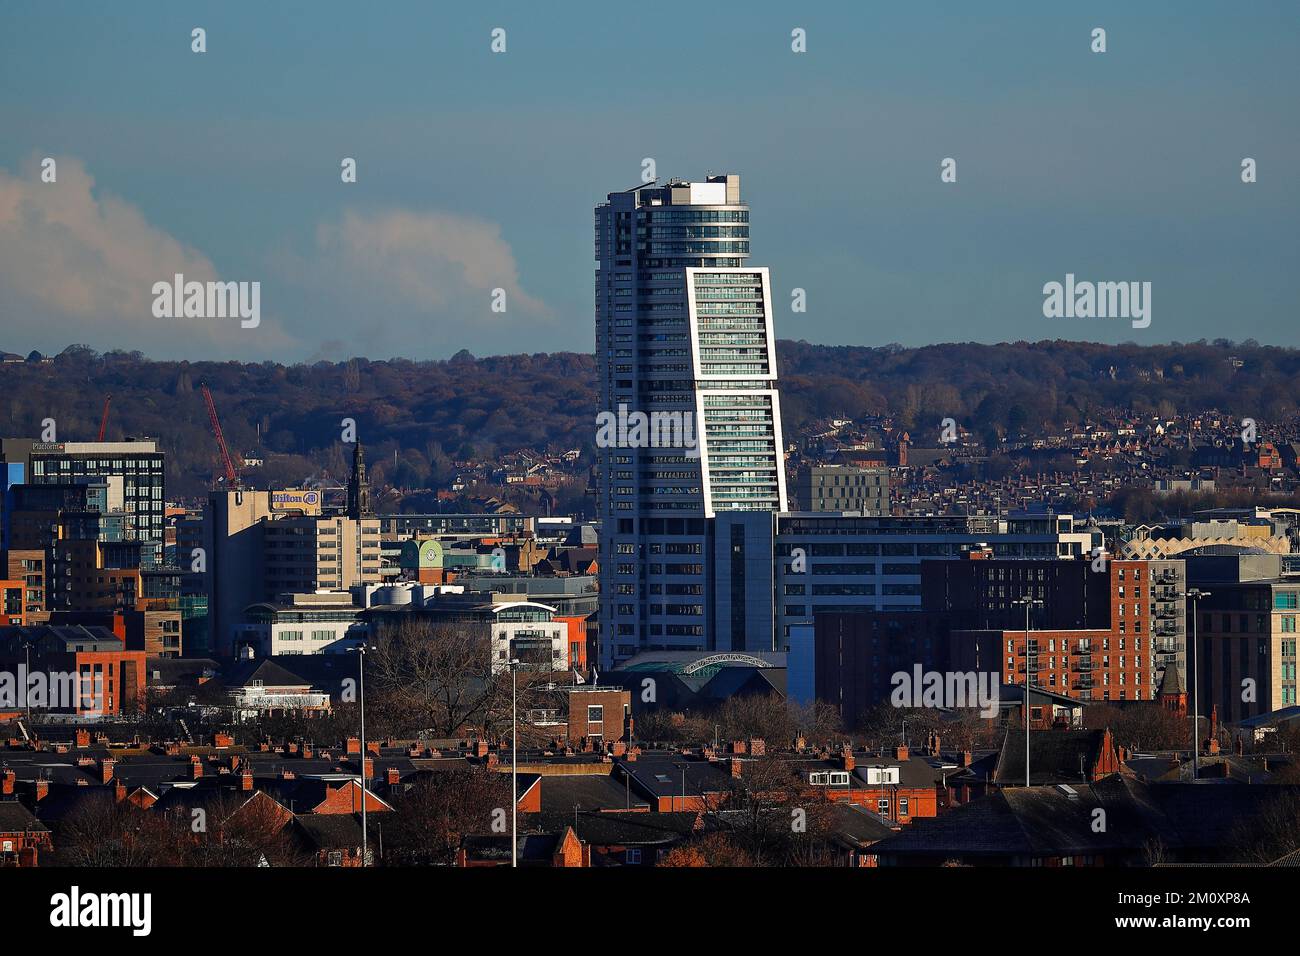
27,678
1194,595
1028,602
361,673
514,762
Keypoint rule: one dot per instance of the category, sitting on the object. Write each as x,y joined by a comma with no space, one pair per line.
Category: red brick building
111,678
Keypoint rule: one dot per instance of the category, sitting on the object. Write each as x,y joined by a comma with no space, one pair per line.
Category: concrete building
1246,634
299,624
689,422
836,563
254,553
842,488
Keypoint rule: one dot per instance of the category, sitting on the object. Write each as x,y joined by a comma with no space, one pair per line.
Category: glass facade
684,338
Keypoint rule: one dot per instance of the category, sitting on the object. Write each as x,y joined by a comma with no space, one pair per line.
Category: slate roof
660,774
1054,756
16,818
1052,821
269,673
533,847
329,831
562,792
637,828
856,826
1172,681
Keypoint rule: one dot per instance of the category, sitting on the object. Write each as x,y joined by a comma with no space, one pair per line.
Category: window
595,714
632,856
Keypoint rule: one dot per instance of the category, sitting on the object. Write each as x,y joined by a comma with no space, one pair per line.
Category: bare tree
1271,833
242,831
770,816
440,810
104,832
433,676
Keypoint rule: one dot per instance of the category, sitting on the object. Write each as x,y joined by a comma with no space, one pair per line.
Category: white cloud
78,265
399,282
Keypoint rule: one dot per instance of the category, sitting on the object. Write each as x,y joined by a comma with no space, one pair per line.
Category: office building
689,422
1246,634
255,551
132,470
843,488
838,563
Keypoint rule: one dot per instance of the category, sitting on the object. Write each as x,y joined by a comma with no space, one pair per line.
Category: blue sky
479,170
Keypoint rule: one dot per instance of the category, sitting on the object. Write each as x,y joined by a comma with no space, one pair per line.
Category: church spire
359,487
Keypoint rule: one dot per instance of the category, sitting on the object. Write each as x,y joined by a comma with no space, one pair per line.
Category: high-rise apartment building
132,471
690,423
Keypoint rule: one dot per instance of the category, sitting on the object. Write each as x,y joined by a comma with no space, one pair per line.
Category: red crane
103,421
232,477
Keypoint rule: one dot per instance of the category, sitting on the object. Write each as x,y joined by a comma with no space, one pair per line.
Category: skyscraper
689,415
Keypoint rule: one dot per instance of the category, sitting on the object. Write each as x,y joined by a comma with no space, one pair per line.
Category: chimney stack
106,769
7,781
246,781
196,768
354,746
900,752
735,767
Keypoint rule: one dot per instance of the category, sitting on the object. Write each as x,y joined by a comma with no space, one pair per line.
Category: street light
361,670
514,761
1194,595
1028,602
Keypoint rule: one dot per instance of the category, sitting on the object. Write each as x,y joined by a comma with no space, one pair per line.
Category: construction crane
103,420
232,476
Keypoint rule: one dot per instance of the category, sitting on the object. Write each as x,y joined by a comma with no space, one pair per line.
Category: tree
440,810
768,817
1271,833
438,677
